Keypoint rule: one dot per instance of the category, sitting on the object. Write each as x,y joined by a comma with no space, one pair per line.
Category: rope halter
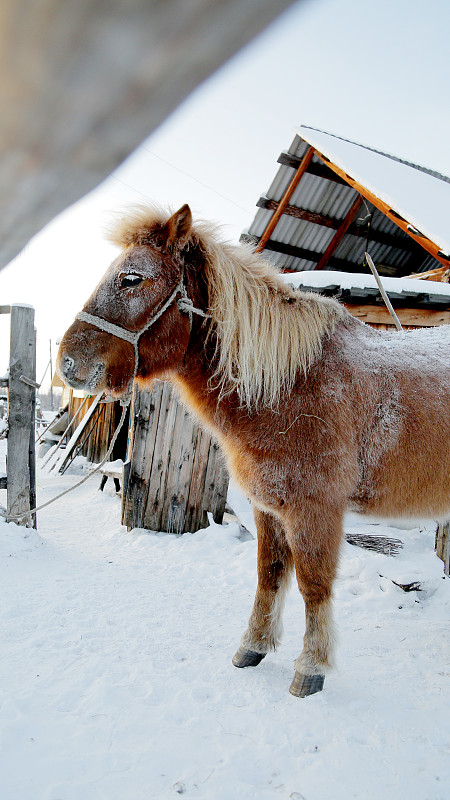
185,305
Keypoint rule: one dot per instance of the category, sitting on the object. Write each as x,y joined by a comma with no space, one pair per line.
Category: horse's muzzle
71,373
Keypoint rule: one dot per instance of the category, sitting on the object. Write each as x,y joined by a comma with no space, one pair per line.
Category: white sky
377,73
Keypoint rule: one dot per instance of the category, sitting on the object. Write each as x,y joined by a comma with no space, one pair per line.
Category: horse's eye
131,280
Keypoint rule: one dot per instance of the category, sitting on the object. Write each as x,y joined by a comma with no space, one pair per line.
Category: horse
315,411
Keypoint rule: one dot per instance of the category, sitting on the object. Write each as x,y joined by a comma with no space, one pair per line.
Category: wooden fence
21,384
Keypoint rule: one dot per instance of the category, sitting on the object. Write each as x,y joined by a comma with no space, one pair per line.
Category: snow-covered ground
116,677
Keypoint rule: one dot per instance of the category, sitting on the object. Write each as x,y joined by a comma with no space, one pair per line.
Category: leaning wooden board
66,454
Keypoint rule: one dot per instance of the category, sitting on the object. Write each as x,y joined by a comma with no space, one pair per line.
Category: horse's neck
198,388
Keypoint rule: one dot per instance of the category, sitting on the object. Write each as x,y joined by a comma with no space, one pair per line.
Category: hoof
247,658
303,685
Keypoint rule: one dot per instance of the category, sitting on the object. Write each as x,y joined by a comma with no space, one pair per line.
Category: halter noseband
185,305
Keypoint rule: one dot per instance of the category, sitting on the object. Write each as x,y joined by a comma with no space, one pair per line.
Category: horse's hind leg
314,538
274,569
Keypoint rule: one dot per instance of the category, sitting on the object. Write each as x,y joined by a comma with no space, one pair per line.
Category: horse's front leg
274,570
314,534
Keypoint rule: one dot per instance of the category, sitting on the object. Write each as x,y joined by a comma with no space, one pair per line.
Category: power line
187,175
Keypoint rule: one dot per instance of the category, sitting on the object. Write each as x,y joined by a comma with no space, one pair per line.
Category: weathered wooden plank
5,309
188,447
143,427
32,440
84,83
191,507
151,513
178,471
20,410
137,468
196,517
413,317
164,448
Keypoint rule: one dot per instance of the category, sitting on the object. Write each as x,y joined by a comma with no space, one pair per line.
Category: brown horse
315,411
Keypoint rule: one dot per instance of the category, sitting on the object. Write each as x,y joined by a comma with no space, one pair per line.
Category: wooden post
22,364
32,446
443,544
177,472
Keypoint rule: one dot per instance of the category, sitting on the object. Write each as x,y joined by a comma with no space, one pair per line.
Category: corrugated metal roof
297,244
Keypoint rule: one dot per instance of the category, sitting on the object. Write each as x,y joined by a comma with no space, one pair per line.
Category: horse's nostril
68,366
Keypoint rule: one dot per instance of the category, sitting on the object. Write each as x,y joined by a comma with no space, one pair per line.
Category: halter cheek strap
184,304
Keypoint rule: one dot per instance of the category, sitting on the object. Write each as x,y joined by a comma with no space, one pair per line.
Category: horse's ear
177,229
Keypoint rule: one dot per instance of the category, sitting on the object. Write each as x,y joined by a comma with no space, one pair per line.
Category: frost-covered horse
315,411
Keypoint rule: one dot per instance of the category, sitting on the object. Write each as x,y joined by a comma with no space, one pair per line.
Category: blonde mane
265,331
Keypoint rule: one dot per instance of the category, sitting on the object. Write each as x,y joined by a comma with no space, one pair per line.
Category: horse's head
132,325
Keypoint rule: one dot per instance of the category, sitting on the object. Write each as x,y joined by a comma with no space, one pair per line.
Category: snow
418,197
347,280
116,676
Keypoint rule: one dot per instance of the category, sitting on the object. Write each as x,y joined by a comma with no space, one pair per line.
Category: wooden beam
299,213
431,248
442,274
341,231
310,255
295,180
5,309
288,250
392,240
414,317
316,168
84,83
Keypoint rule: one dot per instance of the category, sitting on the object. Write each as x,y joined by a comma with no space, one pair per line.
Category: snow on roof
420,196
349,280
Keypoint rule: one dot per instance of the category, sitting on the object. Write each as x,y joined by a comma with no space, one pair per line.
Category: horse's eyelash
131,280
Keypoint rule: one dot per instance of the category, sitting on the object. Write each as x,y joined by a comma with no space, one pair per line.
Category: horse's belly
399,487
